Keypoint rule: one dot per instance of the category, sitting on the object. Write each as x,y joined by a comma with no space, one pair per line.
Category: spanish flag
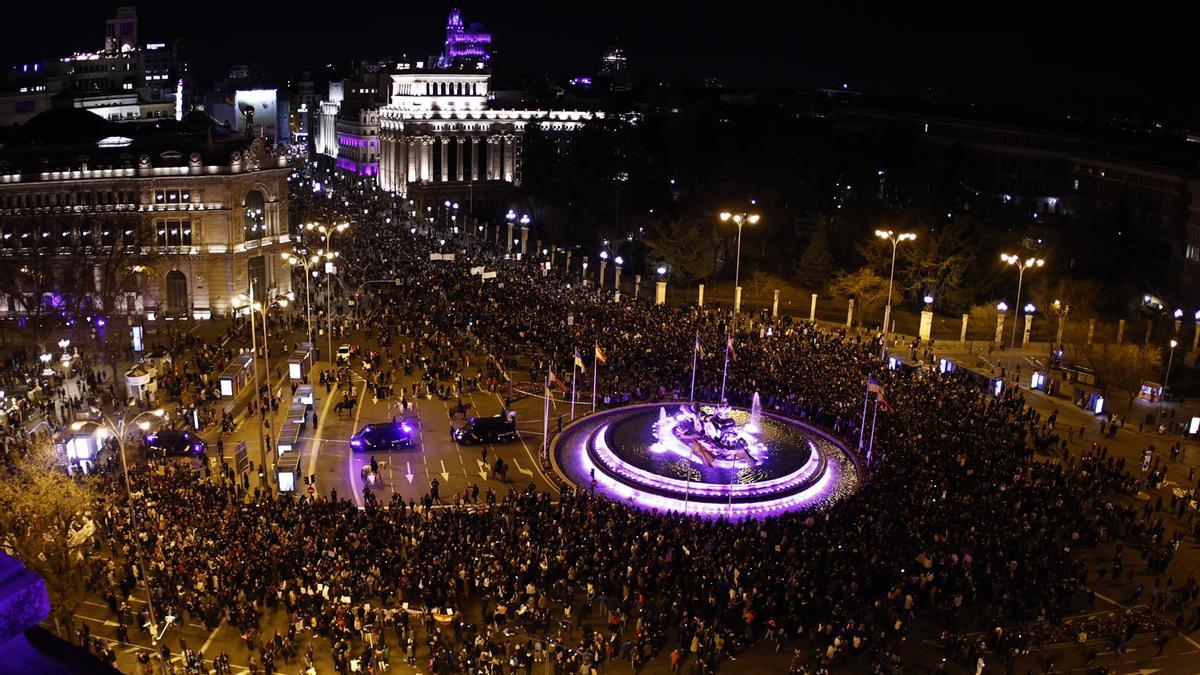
729,347
555,382
600,355
703,453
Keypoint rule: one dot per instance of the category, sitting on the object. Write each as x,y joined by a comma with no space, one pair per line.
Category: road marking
316,449
445,474
483,469
537,465
358,498
211,637
408,471
527,472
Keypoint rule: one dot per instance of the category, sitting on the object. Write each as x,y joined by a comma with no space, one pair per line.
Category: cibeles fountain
705,459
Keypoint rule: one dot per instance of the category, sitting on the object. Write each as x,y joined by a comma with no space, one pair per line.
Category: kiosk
304,395
287,470
237,375
1038,381
296,413
300,362
289,439
947,365
996,387
141,381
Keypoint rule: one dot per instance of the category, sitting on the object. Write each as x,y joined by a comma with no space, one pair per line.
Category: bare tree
865,287
46,525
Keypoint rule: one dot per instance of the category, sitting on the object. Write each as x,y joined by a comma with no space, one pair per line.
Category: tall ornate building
439,136
169,219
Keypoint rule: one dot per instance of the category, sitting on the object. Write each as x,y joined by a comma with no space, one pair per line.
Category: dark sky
1029,61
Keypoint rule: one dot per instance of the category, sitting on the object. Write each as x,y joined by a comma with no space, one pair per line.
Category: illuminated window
174,232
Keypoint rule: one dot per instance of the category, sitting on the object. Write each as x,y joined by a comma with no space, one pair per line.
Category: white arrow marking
445,473
527,472
409,474
483,469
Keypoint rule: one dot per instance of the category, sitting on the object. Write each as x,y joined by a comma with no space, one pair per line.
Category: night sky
1041,63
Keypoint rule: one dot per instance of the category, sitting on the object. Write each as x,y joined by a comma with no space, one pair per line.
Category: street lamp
307,264
255,307
740,219
1021,266
329,256
119,428
1170,359
603,264
887,311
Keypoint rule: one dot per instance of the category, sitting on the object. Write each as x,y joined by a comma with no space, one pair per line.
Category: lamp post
307,264
603,264
739,219
618,262
259,308
119,428
887,310
1170,359
660,286
510,217
1029,310
1021,266
330,254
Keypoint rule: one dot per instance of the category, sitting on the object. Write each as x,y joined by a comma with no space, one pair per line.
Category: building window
255,215
1193,252
175,196
174,232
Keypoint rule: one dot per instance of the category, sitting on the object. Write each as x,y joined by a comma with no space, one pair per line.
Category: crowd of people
956,524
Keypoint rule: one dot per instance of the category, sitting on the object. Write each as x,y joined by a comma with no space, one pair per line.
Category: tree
937,262
983,321
45,525
679,243
1124,367
815,268
865,287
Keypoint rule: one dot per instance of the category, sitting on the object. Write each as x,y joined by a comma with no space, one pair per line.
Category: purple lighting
793,467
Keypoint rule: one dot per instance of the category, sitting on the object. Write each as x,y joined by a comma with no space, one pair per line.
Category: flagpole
695,355
862,428
874,417
546,414
575,366
595,373
726,369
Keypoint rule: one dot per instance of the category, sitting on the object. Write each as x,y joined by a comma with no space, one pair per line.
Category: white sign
477,270
489,275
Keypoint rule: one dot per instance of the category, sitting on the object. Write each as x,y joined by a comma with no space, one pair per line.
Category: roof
64,138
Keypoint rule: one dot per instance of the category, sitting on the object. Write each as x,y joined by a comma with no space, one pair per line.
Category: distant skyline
1048,69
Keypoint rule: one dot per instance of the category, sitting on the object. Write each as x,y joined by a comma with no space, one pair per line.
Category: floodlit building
123,81
169,219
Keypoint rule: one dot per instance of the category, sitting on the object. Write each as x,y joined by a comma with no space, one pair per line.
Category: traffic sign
240,458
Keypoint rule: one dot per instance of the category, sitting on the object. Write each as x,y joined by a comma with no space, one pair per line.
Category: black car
385,436
500,428
170,442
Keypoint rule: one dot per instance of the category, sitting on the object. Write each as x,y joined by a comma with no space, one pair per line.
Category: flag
555,382
874,385
600,355
579,361
699,349
729,347
703,453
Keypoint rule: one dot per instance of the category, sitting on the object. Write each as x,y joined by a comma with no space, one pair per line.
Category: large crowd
958,523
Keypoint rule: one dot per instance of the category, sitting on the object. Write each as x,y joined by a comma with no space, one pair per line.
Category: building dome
63,125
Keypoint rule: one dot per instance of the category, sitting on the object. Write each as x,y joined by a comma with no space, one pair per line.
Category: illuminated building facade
170,220
439,134
124,81
465,46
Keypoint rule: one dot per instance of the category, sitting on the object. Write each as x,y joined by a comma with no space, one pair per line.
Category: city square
472,363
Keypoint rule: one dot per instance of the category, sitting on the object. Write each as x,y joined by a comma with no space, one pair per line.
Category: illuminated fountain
706,460
755,414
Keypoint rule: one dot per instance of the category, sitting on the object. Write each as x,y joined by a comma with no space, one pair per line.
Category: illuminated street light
739,219
895,239
1021,266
